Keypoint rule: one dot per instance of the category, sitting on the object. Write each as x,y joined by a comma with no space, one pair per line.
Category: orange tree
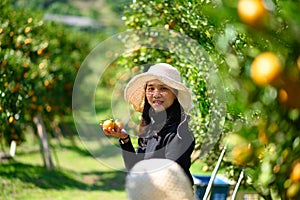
255,46
39,62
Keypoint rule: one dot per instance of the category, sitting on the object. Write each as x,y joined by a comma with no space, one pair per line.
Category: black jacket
173,141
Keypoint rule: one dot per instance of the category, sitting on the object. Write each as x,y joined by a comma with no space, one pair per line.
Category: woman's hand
114,128
116,133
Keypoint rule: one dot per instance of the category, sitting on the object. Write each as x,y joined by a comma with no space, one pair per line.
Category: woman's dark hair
146,110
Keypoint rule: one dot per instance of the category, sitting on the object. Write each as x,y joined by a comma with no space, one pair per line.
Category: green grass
77,176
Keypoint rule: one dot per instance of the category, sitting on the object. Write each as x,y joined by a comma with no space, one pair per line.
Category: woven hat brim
135,91
158,179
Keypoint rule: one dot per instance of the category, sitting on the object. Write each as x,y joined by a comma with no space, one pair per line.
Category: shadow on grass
61,179
77,149
36,149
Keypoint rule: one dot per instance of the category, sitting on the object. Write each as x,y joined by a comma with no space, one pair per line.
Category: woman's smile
157,102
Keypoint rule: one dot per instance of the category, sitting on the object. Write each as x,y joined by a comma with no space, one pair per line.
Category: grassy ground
77,176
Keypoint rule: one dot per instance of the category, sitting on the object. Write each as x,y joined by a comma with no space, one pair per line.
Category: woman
163,101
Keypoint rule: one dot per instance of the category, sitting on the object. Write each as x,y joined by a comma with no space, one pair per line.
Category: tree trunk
42,134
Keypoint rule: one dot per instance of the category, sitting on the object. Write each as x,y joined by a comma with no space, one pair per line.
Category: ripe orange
265,69
251,12
108,124
11,119
242,154
262,137
116,125
295,173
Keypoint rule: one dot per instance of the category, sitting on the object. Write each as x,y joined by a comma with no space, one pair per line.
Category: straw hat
158,179
135,90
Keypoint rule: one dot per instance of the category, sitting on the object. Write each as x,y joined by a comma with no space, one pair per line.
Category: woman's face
159,95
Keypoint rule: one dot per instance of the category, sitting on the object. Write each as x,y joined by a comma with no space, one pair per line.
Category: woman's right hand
115,129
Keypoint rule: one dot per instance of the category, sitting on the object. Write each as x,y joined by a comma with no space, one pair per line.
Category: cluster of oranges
266,68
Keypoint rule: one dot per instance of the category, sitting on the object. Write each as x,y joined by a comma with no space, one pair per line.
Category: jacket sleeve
130,156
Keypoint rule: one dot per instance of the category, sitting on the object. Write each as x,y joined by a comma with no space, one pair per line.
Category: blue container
219,190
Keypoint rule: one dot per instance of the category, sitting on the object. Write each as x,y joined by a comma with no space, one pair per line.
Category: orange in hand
108,124
112,127
115,125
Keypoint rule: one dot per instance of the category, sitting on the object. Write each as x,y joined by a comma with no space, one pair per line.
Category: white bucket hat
135,90
158,179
